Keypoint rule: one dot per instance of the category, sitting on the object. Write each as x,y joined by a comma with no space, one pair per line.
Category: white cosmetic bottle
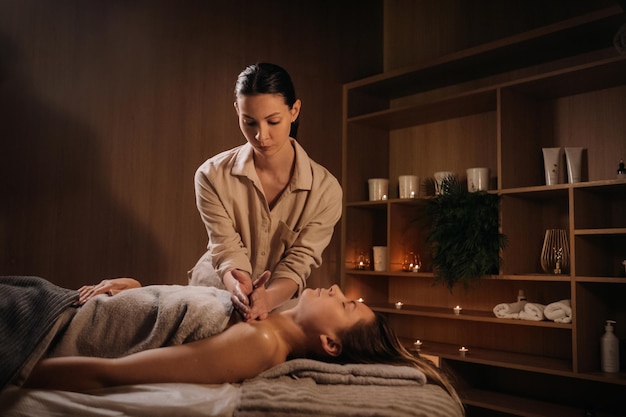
609,349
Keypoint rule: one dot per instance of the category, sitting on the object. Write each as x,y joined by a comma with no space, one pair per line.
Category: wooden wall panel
107,109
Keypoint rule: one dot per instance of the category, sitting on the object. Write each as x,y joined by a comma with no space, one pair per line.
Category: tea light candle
463,350
384,196
418,344
399,305
360,300
457,310
412,195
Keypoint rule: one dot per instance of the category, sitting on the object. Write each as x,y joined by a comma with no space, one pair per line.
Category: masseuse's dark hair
266,78
376,342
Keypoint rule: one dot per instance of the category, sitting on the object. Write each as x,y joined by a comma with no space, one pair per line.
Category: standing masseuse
266,205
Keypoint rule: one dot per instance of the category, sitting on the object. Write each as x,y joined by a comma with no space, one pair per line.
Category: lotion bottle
609,349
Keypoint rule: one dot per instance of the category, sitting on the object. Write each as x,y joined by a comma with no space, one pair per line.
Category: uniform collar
302,177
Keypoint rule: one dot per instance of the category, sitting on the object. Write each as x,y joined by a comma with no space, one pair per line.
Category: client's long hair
376,342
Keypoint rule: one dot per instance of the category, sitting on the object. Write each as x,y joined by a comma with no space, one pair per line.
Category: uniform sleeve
325,205
225,244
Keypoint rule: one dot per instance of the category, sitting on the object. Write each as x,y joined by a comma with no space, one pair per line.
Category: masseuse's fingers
243,309
262,279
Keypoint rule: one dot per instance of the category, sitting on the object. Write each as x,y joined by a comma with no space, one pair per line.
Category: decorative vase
555,252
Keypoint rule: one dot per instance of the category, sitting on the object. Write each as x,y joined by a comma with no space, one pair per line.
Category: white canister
477,179
378,188
381,255
439,177
408,185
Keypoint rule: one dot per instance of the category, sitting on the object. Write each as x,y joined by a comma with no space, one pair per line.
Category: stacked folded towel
532,311
560,312
509,310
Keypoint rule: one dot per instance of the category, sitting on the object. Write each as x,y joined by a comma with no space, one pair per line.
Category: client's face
329,309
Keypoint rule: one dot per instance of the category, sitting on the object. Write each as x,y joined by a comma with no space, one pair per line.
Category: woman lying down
324,325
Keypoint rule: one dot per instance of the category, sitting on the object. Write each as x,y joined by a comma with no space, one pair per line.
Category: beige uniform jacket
245,234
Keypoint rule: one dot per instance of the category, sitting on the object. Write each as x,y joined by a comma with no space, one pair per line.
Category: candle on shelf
363,261
399,304
417,344
463,350
457,310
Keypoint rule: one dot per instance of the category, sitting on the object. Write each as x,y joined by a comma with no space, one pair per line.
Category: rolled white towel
532,311
559,312
508,310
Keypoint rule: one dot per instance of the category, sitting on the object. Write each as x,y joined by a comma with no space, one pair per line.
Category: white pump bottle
609,349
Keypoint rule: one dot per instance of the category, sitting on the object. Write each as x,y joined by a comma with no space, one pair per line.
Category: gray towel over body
145,318
29,307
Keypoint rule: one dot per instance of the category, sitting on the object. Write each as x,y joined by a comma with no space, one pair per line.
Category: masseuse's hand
240,287
106,286
244,304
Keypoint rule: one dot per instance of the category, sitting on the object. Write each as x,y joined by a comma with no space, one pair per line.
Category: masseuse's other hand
106,286
242,287
247,306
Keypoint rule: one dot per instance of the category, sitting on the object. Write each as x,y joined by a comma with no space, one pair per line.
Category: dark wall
108,107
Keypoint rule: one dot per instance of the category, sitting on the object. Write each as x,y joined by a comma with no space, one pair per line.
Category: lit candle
399,305
384,196
360,300
418,344
463,350
412,194
457,310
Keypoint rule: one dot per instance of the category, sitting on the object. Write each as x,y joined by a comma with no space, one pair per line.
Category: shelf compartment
361,239
600,207
544,343
525,217
534,393
462,105
514,405
462,142
365,155
408,232
481,296
598,302
561,109
469,315
600,254
572,37
505,359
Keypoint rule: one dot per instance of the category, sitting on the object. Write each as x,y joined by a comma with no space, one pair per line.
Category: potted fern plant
464,238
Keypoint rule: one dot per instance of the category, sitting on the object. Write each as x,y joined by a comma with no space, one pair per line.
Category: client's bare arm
219,359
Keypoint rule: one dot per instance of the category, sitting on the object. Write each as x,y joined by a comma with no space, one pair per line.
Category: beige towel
508,310
559,312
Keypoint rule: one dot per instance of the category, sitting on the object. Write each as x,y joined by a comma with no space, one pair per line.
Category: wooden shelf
497,105
568,38
470,315
515,405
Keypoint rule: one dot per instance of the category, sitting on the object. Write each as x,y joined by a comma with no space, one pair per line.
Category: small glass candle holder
457,310
463,351
411,262
362,261
399,305
417,345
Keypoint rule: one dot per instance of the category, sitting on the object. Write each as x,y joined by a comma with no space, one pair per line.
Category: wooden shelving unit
497,105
